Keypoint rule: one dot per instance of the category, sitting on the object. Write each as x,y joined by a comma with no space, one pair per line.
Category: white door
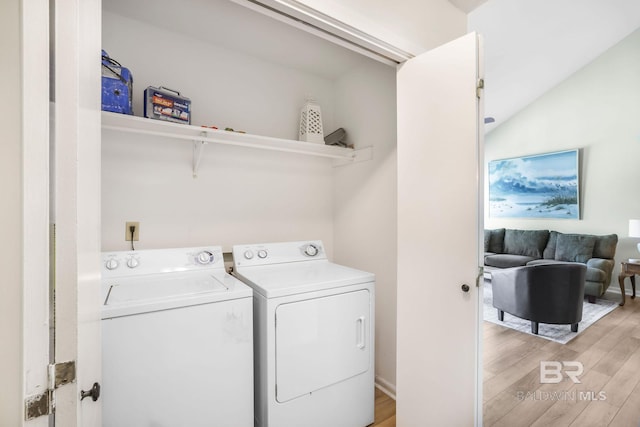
320,342
61,149
439,223
76,203
34,66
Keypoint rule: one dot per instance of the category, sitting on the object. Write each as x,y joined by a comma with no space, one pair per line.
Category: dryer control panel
278,253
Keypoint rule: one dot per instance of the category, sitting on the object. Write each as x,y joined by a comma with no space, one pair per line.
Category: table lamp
634,231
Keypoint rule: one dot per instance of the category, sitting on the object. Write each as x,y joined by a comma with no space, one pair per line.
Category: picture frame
536,186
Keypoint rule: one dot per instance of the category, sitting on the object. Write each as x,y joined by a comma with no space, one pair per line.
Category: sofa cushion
548,261
506,260
592,275
493,240
574,247
550,250
529,243
605,246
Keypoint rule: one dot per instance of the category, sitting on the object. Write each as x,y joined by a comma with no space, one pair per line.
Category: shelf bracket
198,149
360,155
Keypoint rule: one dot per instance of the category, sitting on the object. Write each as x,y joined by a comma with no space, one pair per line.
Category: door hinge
38,405
44,403
480,276
479,87
61,374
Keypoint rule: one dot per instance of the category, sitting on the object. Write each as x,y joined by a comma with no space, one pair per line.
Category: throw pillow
496,241
487,240
525,242
550,250
605,246
574,247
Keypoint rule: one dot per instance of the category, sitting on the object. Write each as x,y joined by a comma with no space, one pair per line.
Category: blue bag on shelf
117,86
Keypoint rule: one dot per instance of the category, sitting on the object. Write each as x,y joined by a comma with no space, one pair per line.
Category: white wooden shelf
200,136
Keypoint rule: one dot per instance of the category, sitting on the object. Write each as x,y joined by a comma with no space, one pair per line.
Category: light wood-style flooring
385,411
610,352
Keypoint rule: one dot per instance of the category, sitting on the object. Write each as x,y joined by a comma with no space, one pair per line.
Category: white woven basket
311,123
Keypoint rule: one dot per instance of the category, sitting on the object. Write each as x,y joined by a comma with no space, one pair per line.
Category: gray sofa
506,248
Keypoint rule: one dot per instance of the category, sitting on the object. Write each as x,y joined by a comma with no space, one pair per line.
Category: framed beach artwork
539,186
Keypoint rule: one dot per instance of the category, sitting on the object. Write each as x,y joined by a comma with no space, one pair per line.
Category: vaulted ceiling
467,5
532,45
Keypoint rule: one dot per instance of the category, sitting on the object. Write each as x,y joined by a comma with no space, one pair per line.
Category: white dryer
313,336
177,340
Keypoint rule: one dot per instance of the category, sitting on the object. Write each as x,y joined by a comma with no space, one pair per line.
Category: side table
629,269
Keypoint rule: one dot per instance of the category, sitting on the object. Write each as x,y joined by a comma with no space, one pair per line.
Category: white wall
241,195
365,199
227,88
11,386
597,110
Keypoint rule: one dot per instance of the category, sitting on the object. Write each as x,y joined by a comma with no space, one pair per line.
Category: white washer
177,340
313,336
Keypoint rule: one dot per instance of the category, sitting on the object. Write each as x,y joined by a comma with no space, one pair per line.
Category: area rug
591,313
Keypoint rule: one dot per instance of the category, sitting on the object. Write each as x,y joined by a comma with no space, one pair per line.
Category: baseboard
386,387
614,293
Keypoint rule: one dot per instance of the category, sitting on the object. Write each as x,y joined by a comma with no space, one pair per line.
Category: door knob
465,288
94,393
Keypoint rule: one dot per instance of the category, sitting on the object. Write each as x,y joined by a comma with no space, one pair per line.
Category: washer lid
135,295
299,277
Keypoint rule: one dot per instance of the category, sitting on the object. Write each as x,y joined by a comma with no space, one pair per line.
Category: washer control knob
311,250
248,254
111,264
205,257
262,253
132,263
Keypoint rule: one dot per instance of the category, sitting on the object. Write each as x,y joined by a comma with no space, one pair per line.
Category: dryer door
321,341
